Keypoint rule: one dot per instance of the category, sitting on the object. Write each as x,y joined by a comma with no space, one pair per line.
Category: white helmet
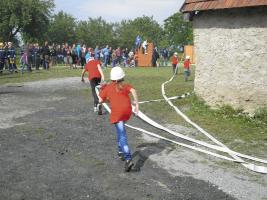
187,57
116,73
176,53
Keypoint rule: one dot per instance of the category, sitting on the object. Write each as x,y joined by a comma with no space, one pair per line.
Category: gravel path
52,146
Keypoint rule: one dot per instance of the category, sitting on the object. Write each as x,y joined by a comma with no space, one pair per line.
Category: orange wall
144,60
189,51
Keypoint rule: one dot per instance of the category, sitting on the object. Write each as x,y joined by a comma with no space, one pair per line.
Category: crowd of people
33,56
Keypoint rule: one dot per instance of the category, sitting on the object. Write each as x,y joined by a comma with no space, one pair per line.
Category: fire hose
236,157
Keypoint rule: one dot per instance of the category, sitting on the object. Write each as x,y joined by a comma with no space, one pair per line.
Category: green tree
62,28
29,17
95,32
178,31
144,26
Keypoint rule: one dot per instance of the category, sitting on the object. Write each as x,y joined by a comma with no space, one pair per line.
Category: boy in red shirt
174,63
187,68
121,109
95,75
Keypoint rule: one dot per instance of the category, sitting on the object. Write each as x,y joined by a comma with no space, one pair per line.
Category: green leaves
25,16
95,32
178,31
62,28
33,20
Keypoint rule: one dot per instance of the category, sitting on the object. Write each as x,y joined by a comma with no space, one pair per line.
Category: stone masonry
231,57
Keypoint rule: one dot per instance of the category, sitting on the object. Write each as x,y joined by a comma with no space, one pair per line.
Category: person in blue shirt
138,42
97,53
105,52
79,52
165,56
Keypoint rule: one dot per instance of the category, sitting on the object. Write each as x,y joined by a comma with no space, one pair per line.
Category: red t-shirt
120,102
175,60
92,69
187,64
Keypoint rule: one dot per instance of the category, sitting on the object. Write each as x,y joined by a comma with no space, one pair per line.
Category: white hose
170,98
253,167
172,141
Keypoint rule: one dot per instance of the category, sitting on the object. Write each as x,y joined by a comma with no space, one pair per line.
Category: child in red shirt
187,68
121,109
174,63
95,75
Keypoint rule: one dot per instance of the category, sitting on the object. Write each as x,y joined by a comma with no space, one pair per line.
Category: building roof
198,5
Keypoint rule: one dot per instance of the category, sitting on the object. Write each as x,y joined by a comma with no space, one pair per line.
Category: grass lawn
54,72
239,132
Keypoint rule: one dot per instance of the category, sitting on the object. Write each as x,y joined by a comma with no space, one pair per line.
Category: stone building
230,39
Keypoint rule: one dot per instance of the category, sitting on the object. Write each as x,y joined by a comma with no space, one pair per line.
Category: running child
117,93
174,63
187,68
95,75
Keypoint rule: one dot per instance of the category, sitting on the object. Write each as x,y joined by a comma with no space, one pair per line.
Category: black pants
94,82
174,69
2,65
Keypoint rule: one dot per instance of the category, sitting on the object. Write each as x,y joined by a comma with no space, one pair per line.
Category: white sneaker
95,109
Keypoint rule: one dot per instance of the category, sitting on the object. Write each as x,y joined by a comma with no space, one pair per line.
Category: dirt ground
53,146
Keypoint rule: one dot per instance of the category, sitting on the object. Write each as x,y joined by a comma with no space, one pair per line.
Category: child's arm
133,91
101,72
100,99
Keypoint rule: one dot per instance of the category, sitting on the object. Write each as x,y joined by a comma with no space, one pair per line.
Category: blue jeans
23,66
105,60
122,140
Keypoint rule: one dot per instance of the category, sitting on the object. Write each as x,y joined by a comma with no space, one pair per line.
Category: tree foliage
33,20
95,32
145,26
62,28
29,17
178,31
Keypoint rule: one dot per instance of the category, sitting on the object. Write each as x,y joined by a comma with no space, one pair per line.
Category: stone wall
231,57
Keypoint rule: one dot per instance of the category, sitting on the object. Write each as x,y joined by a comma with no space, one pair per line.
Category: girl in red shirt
174,63
95,76
187,68
121,109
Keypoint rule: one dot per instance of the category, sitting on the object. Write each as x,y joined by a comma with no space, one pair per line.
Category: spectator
74,56
97,53
24,60
46,56
79,52
105,52
165,56
155,57
114,58
144,45
118,55
36,58
11,57
53,53
2,57
138,42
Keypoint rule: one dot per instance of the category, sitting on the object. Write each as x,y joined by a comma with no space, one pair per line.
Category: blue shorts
187,72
